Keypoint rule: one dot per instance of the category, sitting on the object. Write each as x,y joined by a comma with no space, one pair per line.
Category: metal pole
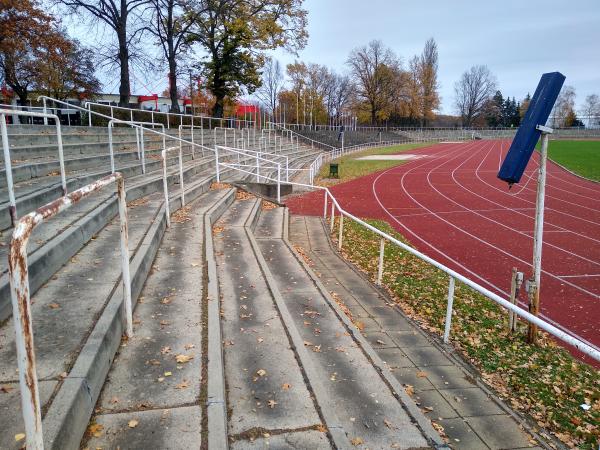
110,147
278,183
332,216
127,310
380,267
325,205
61,158
165,186
143,150
217,164
45,112
8,171
341,233
538,237
89,115
181,176
449,310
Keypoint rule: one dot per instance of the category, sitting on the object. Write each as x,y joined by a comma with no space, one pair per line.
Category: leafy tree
23,26
524,106
66,68
236,33
376,71
427,76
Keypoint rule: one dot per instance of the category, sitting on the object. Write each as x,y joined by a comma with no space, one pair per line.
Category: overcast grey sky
517,40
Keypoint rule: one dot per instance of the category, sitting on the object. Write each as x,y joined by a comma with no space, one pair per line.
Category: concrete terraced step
294,369
61,237
32,194
77,325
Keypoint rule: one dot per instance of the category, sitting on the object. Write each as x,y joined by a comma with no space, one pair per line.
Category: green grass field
350,167
581,157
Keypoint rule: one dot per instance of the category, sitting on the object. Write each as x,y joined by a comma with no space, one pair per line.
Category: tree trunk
219,108
173,84
125,87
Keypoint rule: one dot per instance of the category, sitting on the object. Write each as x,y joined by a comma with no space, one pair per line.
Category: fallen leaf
380,342
261,372
388,424
271,403
421,374
189,346
168,374
95,429
165,350
359,325
132,423
409,389
6,389
53,306
114,400
183,358
19,437
357,441
184,384
286,386
259,340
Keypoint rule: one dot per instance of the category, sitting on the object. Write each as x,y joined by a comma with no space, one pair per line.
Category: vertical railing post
181,174
45,111
341,232
127,307
110,147
8,171
22,318
380,266
449,310
61,158
217,163
257,169
325,204
166,187
279,183
332,215
143,156
89,115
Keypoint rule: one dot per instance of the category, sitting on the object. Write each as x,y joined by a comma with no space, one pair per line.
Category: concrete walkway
444,388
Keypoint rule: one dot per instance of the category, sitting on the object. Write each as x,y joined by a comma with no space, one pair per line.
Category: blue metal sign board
527,135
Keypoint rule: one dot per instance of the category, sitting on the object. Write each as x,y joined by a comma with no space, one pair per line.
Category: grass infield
581,157
545,382
351,168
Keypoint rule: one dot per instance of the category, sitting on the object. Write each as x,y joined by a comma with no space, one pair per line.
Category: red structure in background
146,98
242,109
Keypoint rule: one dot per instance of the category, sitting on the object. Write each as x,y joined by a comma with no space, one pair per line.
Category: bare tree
338,94
169,25
473,91
591,109
375,69
563,107
427,70
115,14
272,83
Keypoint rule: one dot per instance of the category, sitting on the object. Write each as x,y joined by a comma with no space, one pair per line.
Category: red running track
451,206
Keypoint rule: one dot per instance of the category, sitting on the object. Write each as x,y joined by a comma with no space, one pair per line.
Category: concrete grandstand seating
351,138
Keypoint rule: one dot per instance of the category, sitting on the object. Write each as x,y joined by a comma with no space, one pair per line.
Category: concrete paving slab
394,357
172,429
408,377
440,408
427,356
471,402
298,440
499,432
448,377
461,435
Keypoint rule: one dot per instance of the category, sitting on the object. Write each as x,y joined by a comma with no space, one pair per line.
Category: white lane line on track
458,264
580,276
532,202
523,233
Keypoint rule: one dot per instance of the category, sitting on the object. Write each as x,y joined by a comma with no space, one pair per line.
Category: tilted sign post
513,166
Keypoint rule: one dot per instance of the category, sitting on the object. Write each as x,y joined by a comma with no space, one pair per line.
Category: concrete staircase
75,281
330,137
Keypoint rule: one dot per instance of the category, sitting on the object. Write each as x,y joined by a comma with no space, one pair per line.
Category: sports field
581,157
450,205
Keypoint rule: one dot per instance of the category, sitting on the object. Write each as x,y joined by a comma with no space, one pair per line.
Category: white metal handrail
178,116
163,155
8,163
141,150
21,301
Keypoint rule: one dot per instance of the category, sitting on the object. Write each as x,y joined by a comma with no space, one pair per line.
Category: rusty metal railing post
332,215
341,235
21,301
